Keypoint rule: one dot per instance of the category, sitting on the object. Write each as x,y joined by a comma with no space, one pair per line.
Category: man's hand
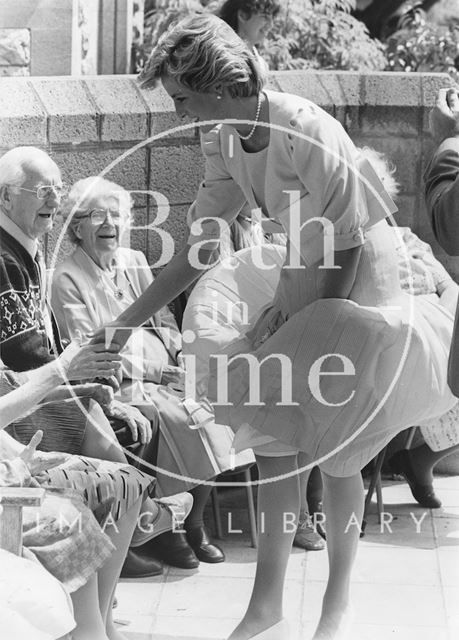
175,376
89,361
139,425
444,117
39,461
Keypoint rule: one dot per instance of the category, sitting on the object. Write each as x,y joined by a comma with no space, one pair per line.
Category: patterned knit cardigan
23,341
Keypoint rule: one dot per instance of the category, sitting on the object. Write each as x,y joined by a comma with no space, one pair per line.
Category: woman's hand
101,393
449,296
39,461
110,335
89,361
139,425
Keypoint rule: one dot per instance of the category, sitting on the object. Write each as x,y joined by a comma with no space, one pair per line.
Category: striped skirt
107,487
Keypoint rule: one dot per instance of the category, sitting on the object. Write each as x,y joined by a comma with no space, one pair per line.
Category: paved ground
406,582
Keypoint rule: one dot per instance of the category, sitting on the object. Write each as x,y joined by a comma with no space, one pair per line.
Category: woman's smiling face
255,28
101,237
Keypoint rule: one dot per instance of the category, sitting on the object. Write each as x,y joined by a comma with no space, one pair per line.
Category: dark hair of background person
229,10
384,17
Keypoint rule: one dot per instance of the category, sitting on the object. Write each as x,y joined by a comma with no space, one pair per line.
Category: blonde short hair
383,168
83,193
202,52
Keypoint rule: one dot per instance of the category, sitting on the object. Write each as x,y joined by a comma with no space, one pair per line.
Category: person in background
441,177
384,17
252,20
421,274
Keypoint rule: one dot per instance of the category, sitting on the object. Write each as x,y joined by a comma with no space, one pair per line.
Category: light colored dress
33,604
393,346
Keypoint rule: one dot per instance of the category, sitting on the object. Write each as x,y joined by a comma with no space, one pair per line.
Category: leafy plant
425,47
321,34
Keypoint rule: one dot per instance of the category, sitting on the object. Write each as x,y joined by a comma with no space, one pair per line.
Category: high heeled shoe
278,631
340,632
344,632
424,494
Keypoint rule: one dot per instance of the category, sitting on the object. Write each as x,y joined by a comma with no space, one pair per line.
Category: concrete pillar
50,25
115,36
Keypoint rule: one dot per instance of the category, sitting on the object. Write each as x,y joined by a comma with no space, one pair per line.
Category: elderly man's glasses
44,191
99,216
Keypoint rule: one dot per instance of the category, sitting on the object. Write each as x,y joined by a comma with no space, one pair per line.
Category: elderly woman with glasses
100,280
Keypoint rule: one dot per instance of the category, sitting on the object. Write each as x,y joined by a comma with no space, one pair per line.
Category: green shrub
322,34
425,47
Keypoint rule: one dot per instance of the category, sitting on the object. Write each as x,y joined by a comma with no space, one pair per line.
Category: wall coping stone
95,109
70,112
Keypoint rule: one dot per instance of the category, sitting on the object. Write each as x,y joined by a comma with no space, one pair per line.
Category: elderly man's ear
5,198
77,231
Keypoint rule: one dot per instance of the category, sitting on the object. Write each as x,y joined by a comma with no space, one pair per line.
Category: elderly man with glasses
30,193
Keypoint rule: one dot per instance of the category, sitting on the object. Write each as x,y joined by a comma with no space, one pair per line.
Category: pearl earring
219,97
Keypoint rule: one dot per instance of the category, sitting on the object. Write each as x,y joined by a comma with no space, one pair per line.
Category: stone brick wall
101,124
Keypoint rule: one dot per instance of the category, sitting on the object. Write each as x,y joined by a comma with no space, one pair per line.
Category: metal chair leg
251,508
379,498
410,437
375,483
216,512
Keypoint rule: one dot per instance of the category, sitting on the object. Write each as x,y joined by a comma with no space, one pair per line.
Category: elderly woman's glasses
44,191
99,216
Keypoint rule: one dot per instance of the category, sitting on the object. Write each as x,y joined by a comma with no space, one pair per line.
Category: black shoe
173,549
424,494
140,566
199,541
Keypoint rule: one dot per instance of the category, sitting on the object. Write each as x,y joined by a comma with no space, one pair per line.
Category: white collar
30,245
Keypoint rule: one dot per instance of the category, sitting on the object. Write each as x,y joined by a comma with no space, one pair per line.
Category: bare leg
93,602
87,612
100,441
109,574
343,504
278,504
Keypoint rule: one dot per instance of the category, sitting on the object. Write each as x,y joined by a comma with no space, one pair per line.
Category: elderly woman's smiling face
99,226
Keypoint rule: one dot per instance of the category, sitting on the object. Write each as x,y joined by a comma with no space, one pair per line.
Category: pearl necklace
255,124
